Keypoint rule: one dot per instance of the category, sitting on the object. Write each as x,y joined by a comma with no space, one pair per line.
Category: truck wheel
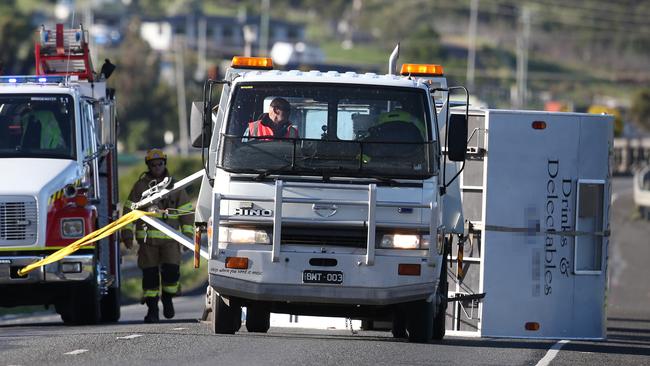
83,306
226,319
367,324
439,324
419,321
110,306
258,319
399,325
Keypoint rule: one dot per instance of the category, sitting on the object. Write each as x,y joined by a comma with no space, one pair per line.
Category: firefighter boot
152,310
168,305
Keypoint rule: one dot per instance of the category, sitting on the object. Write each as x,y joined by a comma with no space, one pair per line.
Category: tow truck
59,164
352,217
385,208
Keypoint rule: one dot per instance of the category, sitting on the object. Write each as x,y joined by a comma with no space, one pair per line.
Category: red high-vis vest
258,129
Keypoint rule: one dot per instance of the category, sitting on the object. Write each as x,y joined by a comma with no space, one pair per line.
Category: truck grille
18,221
325,236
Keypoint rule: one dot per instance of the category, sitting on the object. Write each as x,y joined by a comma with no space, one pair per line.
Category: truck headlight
404,241
72,228
243,236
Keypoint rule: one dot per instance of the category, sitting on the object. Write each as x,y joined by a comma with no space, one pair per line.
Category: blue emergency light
24,79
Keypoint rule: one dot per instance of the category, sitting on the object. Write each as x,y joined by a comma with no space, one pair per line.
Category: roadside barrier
88,239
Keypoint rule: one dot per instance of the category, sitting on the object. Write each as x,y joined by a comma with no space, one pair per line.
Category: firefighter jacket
178,213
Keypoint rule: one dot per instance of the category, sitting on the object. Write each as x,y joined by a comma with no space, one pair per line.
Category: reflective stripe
188,229
151,293
170,289
154,234
187,206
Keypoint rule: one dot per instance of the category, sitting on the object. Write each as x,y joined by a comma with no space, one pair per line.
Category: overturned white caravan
536,196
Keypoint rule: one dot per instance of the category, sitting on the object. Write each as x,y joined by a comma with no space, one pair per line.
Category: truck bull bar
278,219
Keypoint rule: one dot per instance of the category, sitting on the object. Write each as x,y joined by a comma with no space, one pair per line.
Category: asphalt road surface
42,339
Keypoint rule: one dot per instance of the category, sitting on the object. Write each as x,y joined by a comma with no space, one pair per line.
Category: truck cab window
336,129
37,126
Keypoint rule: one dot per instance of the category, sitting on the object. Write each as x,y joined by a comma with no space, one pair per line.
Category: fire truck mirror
106,128
457,137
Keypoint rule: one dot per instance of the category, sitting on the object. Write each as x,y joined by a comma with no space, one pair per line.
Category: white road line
130,336
76,352
179,328
552,352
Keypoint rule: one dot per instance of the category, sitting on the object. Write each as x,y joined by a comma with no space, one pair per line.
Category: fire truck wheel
226,319
83,306
110,306
258,319
419,321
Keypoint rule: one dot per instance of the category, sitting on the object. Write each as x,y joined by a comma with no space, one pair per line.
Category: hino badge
58,163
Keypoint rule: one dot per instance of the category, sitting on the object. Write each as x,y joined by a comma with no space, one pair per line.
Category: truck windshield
36,126
329,130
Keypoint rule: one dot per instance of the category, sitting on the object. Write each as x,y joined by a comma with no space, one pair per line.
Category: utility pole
264,27
183,139
471,44
523,41
201,66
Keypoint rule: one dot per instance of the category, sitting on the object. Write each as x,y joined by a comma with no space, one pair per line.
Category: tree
16,38
640,110
146,106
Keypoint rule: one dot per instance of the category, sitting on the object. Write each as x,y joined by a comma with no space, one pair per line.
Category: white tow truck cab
346,219
59,169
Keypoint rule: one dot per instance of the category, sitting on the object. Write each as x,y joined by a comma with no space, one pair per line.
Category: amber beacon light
422,70
261,63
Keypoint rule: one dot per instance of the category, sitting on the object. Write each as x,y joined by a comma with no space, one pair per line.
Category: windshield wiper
266,173
390,181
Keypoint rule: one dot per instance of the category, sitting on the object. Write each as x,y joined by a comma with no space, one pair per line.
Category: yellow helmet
153,154
402,116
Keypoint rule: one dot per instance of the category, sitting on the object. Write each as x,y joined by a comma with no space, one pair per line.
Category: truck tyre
110,305
367,324
226,319
439,324
83,307
258,319
399,325
419,321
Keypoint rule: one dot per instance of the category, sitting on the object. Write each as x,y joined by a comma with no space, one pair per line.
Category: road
42,339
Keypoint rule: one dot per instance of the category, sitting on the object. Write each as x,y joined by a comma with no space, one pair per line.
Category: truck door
89,150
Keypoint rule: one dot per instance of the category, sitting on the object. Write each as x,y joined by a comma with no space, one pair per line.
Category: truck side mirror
106,127
457,137
199,134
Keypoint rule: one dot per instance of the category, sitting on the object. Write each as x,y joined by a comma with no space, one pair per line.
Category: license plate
332,277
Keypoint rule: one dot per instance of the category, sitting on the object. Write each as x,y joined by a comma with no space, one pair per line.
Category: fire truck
59,166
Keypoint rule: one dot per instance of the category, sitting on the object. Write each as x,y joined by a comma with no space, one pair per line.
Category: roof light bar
422,70
261,63
32,79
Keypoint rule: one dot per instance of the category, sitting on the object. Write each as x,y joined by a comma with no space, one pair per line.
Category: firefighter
158,255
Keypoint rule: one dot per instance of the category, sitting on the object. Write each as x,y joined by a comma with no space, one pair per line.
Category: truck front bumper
71,268
326,294
282,281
